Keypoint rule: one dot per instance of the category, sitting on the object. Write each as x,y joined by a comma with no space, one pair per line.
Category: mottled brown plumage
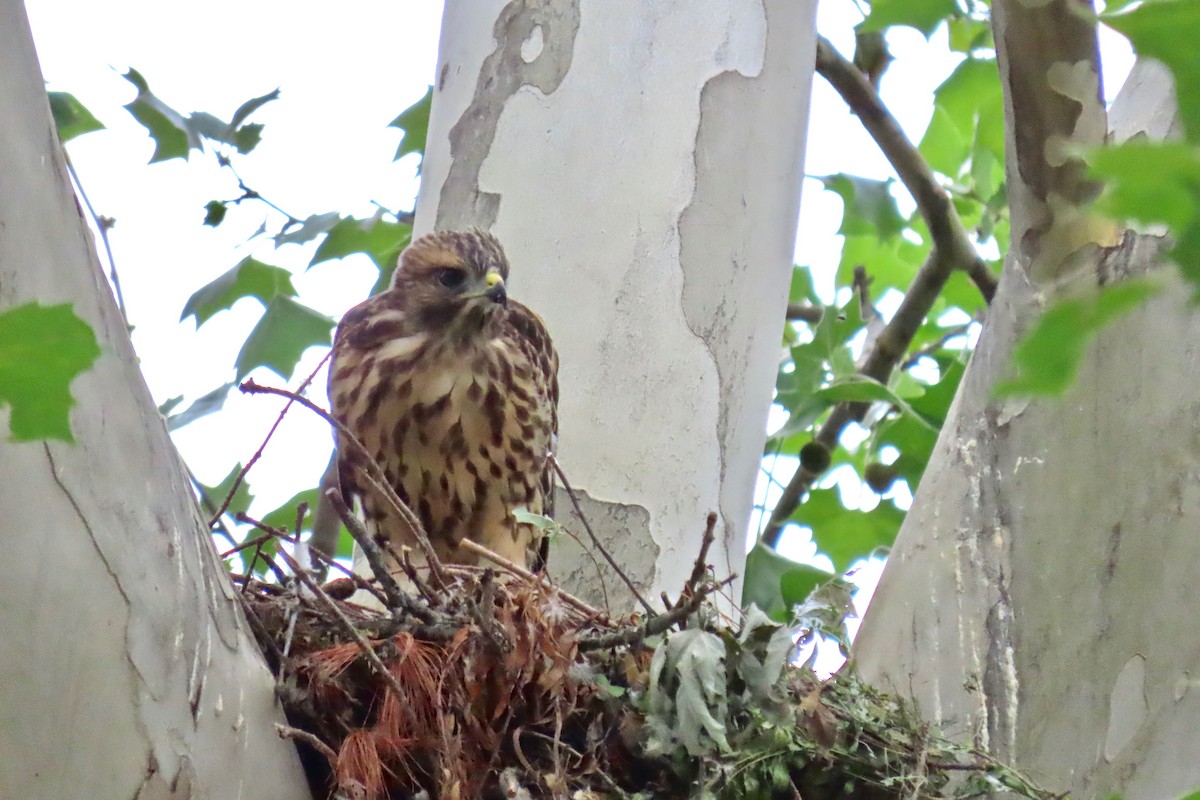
453,388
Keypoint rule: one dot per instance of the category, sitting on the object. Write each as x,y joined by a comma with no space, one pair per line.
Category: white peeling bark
125,665
641,161
1042,595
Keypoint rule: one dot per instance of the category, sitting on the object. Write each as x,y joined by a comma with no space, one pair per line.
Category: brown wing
363,328
527,331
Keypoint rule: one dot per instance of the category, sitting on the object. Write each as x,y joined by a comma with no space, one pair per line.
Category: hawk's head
453,279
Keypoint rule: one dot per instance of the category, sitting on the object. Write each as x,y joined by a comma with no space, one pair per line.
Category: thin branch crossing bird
452,387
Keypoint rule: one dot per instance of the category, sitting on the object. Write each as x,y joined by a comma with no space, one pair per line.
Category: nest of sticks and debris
494,683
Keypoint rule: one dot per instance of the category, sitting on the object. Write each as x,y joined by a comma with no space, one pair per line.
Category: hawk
452,387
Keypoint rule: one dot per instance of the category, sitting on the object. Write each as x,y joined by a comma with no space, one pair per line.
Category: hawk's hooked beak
495,291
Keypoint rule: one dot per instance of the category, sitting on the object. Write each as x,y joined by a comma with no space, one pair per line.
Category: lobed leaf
868,205
71,117
414,121
846,535
924,15
282,335
42,350
248,278
378,238
242,498
167,127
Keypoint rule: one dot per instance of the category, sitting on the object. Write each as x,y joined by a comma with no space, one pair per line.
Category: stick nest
500,685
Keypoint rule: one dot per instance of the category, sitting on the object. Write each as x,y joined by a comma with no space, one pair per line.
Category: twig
945,227
371,469
805,312
612,562
579,605
396,597
701,565
484,613
380,485
651,627
288,732
889,348
689,601
250,194
103,225
292,396
933,347
278,533
348,627
951,250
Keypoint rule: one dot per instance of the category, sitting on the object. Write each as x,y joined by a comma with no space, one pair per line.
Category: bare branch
372,471
889,347
804,312
396,597
295,396
288,732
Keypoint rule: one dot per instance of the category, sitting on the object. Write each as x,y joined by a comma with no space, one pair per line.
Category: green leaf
1149,181
890,264
915,443
247,137
1047,358
242,498
773,582
846,535
309,229
281,337
248,278
414,121
607,687
968,117
924,15
934,404
285,516
797,584
526,517
71,117
42,349
214,213
1166,31
945,145
861,389
1154,182
170,404
168,128
868,206
210,403
380,239
967,34
250,106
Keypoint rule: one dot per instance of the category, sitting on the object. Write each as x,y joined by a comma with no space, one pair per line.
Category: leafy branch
952,250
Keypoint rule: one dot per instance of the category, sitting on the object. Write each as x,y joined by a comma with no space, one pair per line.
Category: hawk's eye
451,278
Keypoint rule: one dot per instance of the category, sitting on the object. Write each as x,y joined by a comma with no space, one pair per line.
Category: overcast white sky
344,75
